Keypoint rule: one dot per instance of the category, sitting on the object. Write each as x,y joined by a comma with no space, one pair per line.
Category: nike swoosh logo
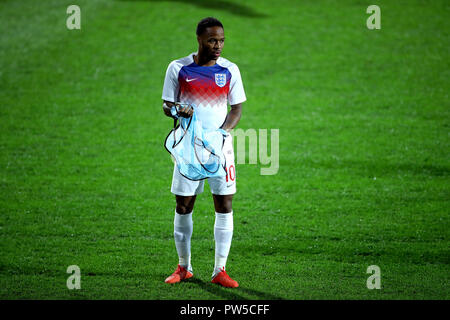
189,80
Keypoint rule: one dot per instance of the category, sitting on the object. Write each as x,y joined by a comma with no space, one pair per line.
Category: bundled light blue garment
197,152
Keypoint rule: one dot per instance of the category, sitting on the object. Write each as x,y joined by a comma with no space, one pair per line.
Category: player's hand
185,112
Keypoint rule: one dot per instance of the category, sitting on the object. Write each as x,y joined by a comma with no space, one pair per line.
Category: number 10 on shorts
231,173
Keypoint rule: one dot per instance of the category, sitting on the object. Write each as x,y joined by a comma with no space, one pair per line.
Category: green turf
363,117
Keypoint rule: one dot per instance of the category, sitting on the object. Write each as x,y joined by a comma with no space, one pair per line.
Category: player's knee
185,205
184,209
225,206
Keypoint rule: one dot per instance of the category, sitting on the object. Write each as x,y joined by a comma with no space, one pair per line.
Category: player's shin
223,234
183,227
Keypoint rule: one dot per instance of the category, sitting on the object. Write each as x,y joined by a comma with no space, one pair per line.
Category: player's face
211,42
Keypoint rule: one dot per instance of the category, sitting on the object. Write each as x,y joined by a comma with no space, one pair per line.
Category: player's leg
182,232
185,204
183,227
223,203
223,229
185,192
223,234
223,190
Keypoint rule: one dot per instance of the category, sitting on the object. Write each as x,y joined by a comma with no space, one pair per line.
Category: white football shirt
209,89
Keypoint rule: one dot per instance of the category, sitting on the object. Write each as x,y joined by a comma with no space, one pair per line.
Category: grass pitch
363,117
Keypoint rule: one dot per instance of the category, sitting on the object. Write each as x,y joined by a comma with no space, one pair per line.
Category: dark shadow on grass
232,294
234,8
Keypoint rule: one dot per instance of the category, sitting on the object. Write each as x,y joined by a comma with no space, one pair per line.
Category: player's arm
185,112
167,106
170,91
233,117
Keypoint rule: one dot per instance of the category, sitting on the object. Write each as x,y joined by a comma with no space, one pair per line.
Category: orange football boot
224,279
180,274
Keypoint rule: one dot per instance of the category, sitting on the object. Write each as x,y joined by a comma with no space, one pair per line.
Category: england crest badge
221,79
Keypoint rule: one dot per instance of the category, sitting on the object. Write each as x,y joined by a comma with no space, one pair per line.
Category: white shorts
182,186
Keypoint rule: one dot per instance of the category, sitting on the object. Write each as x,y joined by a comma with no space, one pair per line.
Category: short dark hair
206,23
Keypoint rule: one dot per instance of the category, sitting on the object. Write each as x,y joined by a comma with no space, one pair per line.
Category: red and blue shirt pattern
209,89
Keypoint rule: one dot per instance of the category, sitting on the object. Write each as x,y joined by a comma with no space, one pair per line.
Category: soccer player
209,82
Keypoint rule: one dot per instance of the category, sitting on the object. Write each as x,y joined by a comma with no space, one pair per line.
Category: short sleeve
171,85
236,94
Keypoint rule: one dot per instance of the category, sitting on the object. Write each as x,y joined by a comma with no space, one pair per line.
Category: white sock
223,233
182,232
